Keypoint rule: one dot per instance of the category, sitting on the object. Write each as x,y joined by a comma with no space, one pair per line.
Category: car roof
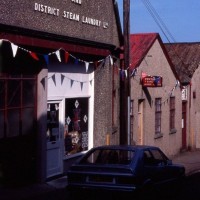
126,147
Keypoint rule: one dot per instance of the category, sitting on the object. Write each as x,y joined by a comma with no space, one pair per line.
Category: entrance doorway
54,130
140,139
184,128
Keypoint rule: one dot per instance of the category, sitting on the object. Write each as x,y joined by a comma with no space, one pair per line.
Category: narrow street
189,190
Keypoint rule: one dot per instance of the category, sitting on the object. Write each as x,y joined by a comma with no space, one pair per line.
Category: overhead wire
163,27
155,13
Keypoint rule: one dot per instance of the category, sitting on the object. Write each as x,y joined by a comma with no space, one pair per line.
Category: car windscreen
109,156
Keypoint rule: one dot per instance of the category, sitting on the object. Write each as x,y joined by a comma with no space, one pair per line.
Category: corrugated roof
139,46
185,58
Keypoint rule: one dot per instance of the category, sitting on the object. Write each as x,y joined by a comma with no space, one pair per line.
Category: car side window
148,158
159,158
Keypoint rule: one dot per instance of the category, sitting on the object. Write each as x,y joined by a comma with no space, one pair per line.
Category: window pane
13,93
28,92
1,124
76,125
2,94
13,123
27,121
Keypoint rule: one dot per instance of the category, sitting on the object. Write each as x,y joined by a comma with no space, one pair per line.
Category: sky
181,19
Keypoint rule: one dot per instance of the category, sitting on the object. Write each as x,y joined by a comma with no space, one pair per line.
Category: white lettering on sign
46,9
77,1
91,21
72,16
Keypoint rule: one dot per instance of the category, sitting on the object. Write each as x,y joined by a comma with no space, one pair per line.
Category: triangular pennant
81,85
122,75
62,78
95,64
111,60
34,55
103,63
1,42
14,49
76,61
86,66
126,73
133,72
46,57
66,57
54,79
72,82
43,83
58,55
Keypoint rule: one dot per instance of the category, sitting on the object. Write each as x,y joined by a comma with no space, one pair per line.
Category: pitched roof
140,45
185,58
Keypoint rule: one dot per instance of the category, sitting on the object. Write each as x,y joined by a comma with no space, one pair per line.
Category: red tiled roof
139,46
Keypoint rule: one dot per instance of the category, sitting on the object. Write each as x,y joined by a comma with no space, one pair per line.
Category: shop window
17,105
76,125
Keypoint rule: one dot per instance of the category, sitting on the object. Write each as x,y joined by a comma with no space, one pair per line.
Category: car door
155,169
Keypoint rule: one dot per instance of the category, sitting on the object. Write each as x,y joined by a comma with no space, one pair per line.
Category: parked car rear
123,168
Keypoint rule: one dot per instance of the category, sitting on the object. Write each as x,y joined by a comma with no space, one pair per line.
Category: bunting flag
126,73
66,57
43,83
58,55
86,66
54,79
72,82
134,72
14,49
95,64
46,57
81,85
62,78
122,75
111,60
34,55
76,61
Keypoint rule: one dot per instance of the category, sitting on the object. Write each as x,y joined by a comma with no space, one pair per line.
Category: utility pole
125,82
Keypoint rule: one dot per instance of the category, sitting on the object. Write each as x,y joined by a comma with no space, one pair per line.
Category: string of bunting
53,77
169,94
34,55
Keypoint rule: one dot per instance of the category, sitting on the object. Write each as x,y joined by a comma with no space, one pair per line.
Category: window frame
172,110
21,106
158,115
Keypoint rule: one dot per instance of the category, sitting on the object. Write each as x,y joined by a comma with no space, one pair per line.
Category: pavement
56,189
190,159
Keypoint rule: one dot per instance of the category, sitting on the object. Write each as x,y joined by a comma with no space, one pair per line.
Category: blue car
123,168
